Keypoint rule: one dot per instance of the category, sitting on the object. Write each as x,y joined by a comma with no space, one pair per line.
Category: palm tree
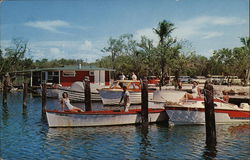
246,49
246,42
164,30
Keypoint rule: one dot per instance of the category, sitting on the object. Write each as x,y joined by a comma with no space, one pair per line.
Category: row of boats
164,106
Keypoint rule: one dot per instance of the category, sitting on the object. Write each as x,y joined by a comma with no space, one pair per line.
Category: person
122,76
134,77
126,98
195,92
66,102
180,85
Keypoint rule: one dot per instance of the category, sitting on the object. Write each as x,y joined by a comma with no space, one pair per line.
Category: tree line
143,57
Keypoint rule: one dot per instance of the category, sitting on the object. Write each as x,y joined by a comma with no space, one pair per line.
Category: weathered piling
209,115
5,92
6,87
25,92
144,99
87,93
44,98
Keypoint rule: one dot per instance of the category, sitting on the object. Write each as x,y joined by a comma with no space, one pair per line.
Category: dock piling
5,90
6,87
209,115
44,98
87,93
25,92
144,99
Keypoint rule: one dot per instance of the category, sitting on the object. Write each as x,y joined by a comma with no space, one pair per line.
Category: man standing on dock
126,99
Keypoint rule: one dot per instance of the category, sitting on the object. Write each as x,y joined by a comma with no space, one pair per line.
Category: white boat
113,94
101,118
193,112
76,92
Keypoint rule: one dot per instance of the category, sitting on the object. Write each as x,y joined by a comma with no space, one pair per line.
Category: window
69,73
91,73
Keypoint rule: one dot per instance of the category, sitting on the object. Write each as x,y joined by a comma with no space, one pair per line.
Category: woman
196,92
66,102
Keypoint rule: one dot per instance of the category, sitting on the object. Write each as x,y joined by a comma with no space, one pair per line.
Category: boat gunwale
107,112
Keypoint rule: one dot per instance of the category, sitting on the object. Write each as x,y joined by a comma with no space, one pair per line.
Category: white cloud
86,45
55,51
199,26
149,33
51,26
208,35
67,49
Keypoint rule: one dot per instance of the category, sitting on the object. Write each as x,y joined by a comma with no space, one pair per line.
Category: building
66,75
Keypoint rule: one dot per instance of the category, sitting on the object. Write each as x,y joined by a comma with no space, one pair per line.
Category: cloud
86,45
51,26
202,26
85,50
149,33
208,35
55,51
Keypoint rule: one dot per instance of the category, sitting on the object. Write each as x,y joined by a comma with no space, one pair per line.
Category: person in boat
122,77
66,102
196,92
126,99
134,77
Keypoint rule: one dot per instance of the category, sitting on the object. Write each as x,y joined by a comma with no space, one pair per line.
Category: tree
13,56
168,48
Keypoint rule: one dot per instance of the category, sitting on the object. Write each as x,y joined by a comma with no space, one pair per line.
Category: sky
80,29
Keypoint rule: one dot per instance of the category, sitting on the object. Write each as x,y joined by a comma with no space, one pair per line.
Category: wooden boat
113,94
76,92
101,118
193,112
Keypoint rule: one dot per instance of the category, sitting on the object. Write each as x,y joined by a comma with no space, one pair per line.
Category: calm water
27,136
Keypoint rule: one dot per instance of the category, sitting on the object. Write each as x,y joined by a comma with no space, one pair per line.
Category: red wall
67,81
107,78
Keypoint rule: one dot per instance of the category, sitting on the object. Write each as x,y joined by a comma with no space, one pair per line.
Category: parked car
185,79
232,80
216,79
199,79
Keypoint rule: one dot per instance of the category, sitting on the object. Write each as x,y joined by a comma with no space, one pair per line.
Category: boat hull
101,118
183,115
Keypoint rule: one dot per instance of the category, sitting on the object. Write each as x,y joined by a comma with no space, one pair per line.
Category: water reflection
210,152
145,141
5,114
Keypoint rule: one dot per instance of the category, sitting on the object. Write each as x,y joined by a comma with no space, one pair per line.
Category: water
27,136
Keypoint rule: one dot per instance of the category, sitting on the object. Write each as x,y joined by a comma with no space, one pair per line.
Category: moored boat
113,94
193,112
76,92
101,118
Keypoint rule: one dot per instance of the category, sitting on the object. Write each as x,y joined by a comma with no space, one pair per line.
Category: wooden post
5,92
209,115
44,98
6,87
87,93
144,99
25,92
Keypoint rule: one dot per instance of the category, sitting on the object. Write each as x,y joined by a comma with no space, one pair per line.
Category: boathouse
66,75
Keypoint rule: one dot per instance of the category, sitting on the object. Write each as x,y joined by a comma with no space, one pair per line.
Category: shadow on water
210,152
145,141
5,114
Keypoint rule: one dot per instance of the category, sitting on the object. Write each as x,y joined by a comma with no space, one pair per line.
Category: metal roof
68,68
